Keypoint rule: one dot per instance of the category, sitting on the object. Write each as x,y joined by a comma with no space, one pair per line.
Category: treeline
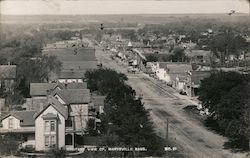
226,95
125,122
23,47
194,26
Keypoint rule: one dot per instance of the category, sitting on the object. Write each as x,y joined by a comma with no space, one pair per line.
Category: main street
186,133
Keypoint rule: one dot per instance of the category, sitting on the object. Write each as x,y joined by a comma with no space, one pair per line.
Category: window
52,126
47,126
46,141
53,141
50,141
10,122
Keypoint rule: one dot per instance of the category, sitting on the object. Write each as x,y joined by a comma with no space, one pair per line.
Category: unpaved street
188,134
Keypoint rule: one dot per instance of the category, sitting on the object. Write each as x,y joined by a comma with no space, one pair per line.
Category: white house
19,122
50,126
168,71
71,77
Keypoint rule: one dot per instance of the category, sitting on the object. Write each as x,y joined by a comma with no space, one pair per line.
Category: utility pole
167,131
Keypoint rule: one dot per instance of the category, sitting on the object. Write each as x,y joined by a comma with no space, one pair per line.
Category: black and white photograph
124,79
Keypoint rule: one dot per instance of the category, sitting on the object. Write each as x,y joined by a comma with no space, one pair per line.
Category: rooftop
41,89
79,65
82,85
71,75
74,96
25,116
72,54
198,76
194,53
175,67
56,104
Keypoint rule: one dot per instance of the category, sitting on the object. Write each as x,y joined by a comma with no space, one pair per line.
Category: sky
75,7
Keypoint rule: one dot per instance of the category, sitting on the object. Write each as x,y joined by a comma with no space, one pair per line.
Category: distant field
145,18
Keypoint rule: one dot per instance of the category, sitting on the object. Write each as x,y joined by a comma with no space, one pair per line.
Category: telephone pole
167,130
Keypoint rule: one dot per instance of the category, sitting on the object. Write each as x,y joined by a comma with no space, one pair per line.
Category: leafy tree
152,58
227,42
125,121
226,95
178,55
104,80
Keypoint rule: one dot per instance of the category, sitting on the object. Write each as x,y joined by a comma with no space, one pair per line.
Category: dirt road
188,134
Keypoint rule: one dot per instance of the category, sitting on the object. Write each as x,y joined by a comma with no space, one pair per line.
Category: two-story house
21,123
50,126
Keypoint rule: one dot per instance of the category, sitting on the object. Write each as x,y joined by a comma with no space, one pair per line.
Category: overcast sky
20,7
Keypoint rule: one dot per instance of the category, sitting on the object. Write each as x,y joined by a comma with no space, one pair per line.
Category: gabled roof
69,54
194,53
56,104
41,89
74,96
79,65
175,67
71,75
98,100
7,71
179,68
25,116
82,85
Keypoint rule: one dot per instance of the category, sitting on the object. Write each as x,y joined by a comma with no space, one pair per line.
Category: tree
152,58
227,42
104,80
225,94
91,128
178,55
125,121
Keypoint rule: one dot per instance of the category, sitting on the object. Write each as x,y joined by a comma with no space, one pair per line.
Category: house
7,76
193,82
180,82
21,123
98,103
71,77
151,68
168,71
40,91
62,116
77,101
200,56
50,126
140,58
74,59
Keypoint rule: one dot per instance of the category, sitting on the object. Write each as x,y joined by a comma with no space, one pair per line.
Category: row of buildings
184,77
58,111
